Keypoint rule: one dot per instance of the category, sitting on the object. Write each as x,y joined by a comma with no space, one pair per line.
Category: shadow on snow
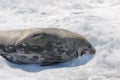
33,68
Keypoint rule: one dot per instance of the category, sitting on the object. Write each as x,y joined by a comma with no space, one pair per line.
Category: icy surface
98,20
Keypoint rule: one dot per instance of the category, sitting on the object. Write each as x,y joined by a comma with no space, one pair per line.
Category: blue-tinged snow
98,20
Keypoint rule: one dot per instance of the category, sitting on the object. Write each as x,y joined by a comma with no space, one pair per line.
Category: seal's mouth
87,51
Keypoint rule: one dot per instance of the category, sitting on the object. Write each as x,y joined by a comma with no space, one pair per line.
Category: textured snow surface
98,20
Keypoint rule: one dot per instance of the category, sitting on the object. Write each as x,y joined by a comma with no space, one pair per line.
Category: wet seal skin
44,46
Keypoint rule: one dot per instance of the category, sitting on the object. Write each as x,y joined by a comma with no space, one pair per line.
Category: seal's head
89,49
86,48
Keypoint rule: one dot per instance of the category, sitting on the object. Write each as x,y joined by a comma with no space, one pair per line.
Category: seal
44,46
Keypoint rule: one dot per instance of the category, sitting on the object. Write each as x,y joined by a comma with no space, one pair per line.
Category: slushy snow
98,20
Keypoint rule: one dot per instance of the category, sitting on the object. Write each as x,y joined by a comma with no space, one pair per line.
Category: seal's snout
92,51
88,51
90,48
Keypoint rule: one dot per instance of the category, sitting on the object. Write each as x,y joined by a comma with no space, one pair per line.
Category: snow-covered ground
98,20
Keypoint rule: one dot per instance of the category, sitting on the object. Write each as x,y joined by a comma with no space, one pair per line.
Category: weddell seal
44,46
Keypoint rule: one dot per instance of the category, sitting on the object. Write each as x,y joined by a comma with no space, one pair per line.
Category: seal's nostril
94,51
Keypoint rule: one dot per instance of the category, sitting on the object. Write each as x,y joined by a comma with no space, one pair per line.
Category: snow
98,20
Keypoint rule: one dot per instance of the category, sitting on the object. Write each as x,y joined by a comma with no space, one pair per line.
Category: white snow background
98,20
